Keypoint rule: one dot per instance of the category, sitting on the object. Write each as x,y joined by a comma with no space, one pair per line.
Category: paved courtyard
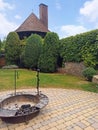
67,110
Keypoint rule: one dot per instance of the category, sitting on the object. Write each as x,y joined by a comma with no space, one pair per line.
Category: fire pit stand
21,107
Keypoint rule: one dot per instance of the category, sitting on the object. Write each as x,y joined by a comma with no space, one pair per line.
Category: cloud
58,5
7,26
71,30
88,19
17,16
5,5
90,11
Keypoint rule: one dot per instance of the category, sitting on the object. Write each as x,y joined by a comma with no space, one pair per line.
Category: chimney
43,11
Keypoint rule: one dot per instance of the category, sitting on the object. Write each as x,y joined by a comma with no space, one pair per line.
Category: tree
32,51
13,48
49,55
3,43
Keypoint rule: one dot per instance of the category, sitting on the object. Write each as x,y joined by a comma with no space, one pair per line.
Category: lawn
27,79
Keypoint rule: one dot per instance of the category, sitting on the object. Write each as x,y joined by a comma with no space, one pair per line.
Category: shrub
32,51
88,73
48,58
47,63
12,49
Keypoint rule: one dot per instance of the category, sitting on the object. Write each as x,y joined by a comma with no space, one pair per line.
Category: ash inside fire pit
17,105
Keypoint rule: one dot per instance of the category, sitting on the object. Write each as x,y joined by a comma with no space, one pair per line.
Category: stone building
35,25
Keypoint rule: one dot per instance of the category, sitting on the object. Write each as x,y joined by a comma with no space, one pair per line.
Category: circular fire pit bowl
21,107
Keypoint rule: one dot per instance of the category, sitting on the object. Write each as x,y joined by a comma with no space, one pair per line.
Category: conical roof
32,23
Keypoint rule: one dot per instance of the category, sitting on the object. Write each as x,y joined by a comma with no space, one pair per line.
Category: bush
88,73
48,58
47,63
12,49
32,51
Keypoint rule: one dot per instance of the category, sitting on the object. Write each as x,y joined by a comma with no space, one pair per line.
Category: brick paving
67,110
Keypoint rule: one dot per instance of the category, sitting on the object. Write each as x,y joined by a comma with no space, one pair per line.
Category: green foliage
82,47
88,73
47,63
90,54
70,50
51,42
3,43
23,41
2,46
32,51
23,44
48,57
12,48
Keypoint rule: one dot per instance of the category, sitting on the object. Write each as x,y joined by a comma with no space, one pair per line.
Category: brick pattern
2,61
67,110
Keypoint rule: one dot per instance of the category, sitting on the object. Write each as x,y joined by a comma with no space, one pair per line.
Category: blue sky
65,17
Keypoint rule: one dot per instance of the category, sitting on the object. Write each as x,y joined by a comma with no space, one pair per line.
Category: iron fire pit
22,106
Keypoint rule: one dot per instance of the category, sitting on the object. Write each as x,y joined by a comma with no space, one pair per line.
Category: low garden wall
2,61
72,68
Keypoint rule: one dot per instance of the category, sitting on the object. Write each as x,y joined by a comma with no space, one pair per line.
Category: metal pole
38,81
15,82
16,77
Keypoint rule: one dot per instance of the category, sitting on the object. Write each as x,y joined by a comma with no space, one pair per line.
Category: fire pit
20,107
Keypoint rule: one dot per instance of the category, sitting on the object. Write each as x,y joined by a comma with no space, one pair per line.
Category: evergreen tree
13,48
32,51
49,55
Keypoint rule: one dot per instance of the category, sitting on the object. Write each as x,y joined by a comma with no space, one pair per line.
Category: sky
65,17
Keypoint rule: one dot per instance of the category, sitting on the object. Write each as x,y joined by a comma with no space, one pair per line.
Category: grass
27,79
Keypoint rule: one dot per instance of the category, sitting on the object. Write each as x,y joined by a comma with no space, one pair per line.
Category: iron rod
15,82
38,81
